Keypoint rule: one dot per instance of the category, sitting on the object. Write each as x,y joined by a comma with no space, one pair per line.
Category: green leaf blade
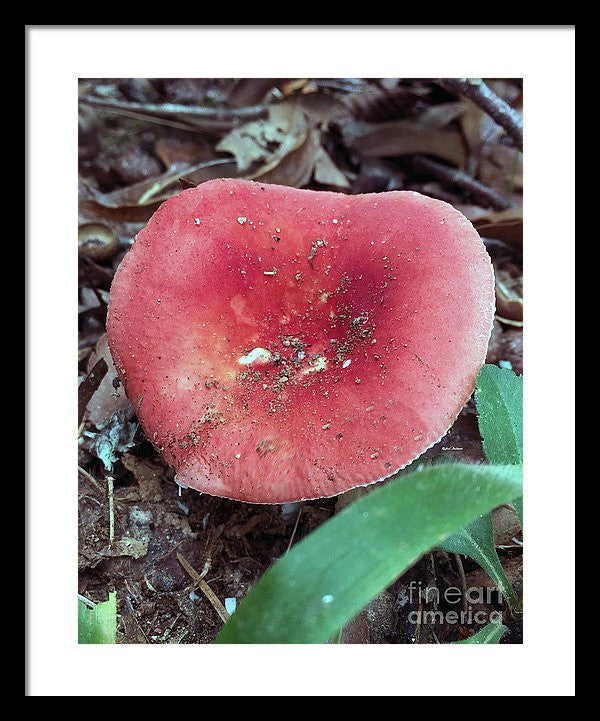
327,578
499,399
477,542
98,624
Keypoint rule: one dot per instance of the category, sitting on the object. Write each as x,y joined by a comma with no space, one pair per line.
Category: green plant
327,578
97,622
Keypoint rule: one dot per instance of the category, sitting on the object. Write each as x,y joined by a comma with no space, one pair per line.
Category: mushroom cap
285,344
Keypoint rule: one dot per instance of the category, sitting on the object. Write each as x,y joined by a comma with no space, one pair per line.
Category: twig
151,119
204,587
453,176
111,510
137,623
252,112
90,478
417,634
294,531
463,580
484,97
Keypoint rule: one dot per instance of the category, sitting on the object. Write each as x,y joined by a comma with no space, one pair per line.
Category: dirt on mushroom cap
294,344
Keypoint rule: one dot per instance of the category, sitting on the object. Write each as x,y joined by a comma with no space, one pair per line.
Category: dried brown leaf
296,167
322,108
501,167
110,396
97,241
403,138
439,116
173,151
478,128
327,172
251,91
509,291
505,225
136,203
269,140
89,385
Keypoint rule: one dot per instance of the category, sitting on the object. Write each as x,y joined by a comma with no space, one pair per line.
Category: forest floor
141,141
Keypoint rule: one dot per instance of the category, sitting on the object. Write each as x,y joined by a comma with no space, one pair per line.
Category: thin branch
485,98
200,583
294,531
111,510
90,478
224,115
463,580
452,176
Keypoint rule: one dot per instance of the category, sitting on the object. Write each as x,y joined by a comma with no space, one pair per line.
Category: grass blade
327,578
99,623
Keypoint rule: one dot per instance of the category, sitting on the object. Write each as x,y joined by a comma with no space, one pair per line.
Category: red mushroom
289,344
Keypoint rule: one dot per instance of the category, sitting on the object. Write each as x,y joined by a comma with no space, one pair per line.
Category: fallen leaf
88,386
327,172
400,137
269,140
148,476
509,291
296,167
439,116
506,526
128,547
506,225
97,241
136,203
501,168
322,108
172,151
110,395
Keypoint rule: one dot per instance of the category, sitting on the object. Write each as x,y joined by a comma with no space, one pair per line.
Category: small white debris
301,355
238,455
197,221
194,596
346,363
242,219
230,605
335,221
270,272
505,364
256,354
